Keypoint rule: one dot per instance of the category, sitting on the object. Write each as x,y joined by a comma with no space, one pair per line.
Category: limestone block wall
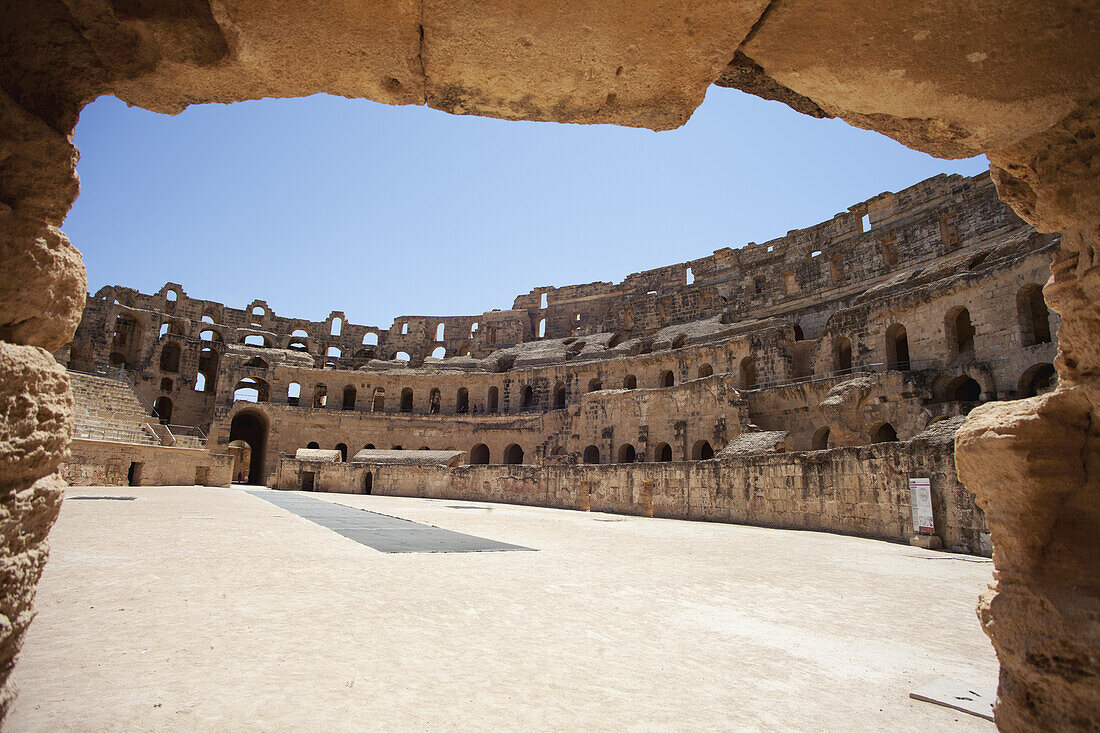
859,490
102,463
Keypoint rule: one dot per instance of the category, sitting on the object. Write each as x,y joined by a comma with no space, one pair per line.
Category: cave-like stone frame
1017,80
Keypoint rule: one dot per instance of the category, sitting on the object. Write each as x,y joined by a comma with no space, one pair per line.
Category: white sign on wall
920,495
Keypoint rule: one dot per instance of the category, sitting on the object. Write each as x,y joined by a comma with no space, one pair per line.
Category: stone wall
102,463
860,491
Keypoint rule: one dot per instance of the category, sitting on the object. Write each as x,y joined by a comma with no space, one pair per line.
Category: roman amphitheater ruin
796,383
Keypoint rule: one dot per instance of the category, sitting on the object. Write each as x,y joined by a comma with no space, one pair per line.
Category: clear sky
324,203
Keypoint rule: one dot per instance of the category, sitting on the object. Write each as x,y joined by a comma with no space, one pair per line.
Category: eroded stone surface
27,511
35,413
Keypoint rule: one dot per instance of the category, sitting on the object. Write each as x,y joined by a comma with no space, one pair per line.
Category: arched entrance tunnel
251,428
1017,81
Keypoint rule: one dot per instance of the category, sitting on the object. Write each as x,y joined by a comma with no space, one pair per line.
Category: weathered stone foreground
1017,80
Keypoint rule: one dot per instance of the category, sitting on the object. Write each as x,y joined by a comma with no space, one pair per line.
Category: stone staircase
109,409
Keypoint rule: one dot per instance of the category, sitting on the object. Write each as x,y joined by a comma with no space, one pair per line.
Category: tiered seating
108,409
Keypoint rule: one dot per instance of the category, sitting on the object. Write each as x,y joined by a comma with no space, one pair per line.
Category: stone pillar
1034,465
42,291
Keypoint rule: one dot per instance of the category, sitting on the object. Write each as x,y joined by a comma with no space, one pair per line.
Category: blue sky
325,203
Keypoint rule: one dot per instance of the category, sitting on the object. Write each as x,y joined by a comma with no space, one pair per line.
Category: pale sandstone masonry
1017,80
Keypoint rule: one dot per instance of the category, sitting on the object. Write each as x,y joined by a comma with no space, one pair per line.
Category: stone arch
705,370
667,379
591,455
513,455
170,357
748,373
959,332
251,389
479,455
1037,379
662,453
251,427
897,347
434,400
492,399
406,400
348,402
630,382
702,451
1033,315
884,433
627,454
559,396
842,354
462,400
162,409
820,440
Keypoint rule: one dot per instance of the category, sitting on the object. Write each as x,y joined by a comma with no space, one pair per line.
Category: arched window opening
627,454
208,367
368,446
320,395
166,385
300,333
170,357
343,448
960,332
668,379
434,398
254,340
163,330
1033,315
702,451
591,454
798,335
298,345
462,401
748,373
293,394
256,363
885,433
689,276
473,329
897,347
349,398
542,328
405,328
211,334
559,396
705,370
370,339
544,301
493,399
312,445
401,356
513,455
337,324
200,382
1038,380
378,402
333,351
842,354
439,352
439,331
594,385
251,389
171,296
406,400
162,410
479,455
662,453
207,319
528,397
630,382
821,439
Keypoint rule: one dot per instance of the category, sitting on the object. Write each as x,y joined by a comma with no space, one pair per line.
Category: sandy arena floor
210,609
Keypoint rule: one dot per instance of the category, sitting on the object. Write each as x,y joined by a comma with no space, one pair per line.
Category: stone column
1034,465
42,291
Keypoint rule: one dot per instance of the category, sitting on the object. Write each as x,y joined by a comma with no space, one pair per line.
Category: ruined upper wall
838,258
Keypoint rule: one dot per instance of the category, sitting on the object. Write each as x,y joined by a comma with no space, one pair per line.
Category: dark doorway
307,480
251,427
133,476
368,483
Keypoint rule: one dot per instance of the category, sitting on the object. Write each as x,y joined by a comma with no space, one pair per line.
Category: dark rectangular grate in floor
379,531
